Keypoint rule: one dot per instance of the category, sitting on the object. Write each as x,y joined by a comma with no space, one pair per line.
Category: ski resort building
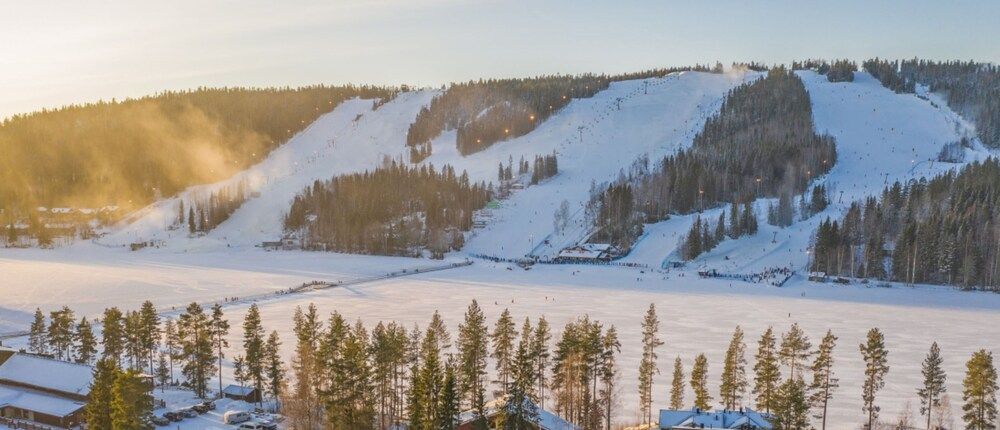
588,253
42,390
246,394
743,419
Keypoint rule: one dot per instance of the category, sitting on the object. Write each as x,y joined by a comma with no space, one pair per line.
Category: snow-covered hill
881,137
351,138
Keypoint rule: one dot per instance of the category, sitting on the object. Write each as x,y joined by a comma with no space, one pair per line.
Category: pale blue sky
55,52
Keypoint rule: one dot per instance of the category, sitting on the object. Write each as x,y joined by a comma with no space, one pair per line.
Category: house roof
236,390
709,419
22,398
546,420
46,373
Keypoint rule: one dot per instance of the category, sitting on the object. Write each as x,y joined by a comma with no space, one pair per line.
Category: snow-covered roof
22,398
236,390
586,250
62,210
546,420
49,374
719,419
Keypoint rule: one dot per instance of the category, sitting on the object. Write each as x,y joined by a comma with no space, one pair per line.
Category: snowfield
881,137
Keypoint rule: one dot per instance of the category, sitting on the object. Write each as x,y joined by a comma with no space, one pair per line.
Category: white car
257,425
236,417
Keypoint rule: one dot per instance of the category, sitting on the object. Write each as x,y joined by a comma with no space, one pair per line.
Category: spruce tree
162,374
791,411
699,383
113,335
131,402
503,338
677,386
979,391
86,343
97,413
824,382
934,380
473,344
304,407
518,410
172,343
38,342
253,347
767,373
734,377
219,329
795,350
647,365
448,408
876,361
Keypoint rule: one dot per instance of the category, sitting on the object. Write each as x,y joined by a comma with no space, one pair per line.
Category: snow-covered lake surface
698,315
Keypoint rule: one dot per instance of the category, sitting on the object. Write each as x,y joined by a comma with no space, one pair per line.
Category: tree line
132,151
206,213
762,143
393,210
939,231
484,112
341,375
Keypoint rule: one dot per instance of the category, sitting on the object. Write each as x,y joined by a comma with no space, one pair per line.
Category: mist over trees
130,152
393,210
971,88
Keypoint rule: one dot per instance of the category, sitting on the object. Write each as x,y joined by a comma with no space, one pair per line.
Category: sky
57,52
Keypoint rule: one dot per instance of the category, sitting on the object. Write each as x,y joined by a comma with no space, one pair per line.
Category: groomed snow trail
351,138
594,140
881,137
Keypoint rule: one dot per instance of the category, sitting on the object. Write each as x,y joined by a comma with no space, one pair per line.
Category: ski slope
594,139
881,137
351,138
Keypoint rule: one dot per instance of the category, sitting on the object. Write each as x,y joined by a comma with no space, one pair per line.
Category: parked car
161,421
173,416
189,413
236,417
200,408
208,404
252,425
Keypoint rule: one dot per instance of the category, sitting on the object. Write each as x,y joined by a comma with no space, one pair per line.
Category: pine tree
791,410
472,354
219,329
824,382
795,350
113,335
131,403
38,342
503,338
979,391
934,380
172,344
192,227
540,350
274,369
97,413
875,356
303,405
253,347
610,347
734,377
767,373
677,386
149,332
133,340
86,348
60,332
699,383
647,365
195,333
